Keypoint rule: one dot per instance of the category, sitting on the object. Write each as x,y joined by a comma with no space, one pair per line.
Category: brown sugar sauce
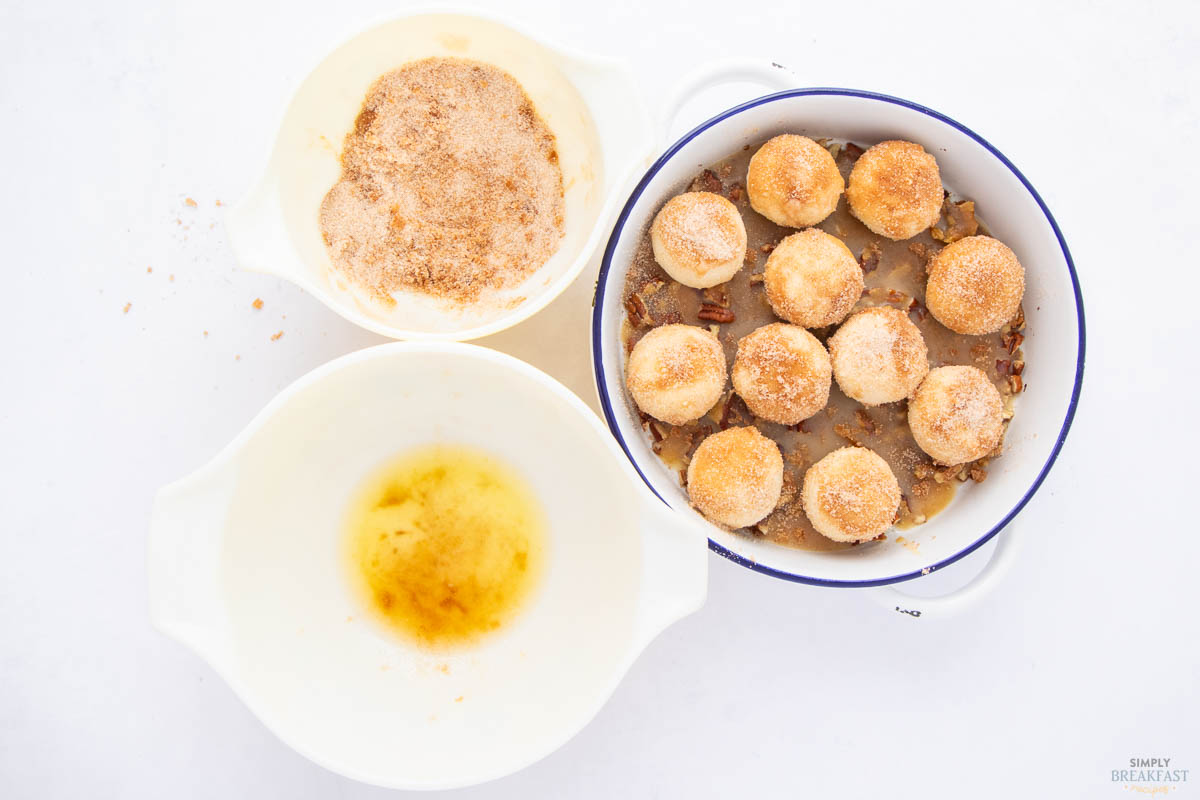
894,273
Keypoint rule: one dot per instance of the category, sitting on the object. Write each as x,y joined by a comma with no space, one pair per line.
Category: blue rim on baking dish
606,265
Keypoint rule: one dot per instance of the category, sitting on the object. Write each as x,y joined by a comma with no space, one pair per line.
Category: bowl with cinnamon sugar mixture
1034,359
442,176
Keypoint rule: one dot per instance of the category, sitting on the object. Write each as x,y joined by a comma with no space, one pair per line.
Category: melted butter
445,544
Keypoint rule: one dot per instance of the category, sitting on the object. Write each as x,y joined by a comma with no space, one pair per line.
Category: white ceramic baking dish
247,568
604,140
1015,214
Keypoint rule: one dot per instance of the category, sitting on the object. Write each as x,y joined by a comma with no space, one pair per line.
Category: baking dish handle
959,599
674,569
774,76
183,557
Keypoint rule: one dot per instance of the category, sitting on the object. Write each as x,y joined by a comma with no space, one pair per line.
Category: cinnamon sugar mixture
450,185
894,273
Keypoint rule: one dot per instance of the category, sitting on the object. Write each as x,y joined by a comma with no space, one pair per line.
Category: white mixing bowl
591,104
246,567
1015,214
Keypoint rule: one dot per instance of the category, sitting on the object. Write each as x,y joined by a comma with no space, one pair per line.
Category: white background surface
1085,656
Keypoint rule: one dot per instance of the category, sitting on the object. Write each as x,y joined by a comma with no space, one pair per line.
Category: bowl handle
183,557
954,602
257,232
774,76
674,569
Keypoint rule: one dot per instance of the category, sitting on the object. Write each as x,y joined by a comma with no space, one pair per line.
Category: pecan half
714,312
638,314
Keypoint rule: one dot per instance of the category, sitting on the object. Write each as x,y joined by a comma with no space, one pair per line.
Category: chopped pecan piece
960,222
865,422
843,430
801,426
918,310
850,152
1003,366
922,251
946,474
1016,383
767,247
651,286
868,259
1018,366
756,278
737,193
1012,341
717,295
714,312
978,474
895,297
708,182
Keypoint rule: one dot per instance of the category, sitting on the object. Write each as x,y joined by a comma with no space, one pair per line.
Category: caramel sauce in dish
894,274
445,545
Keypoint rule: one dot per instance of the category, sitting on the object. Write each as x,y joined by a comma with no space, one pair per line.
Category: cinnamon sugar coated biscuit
851,495
956,415
812,279
895,189
699,239
676,373
975,285
879,356
793,181
783,373
735,477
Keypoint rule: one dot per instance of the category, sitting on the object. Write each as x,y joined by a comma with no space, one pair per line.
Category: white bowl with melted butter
255,562
602,138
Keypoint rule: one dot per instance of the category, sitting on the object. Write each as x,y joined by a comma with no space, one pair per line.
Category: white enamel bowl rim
611,396
618,176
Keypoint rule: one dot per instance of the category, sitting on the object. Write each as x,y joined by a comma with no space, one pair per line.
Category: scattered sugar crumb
258,303
275,336
384,668
206,333
909,544
237,358
443,668
178,221
458,699
127,307
149,270
219,203
349,619
171,277
189,202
